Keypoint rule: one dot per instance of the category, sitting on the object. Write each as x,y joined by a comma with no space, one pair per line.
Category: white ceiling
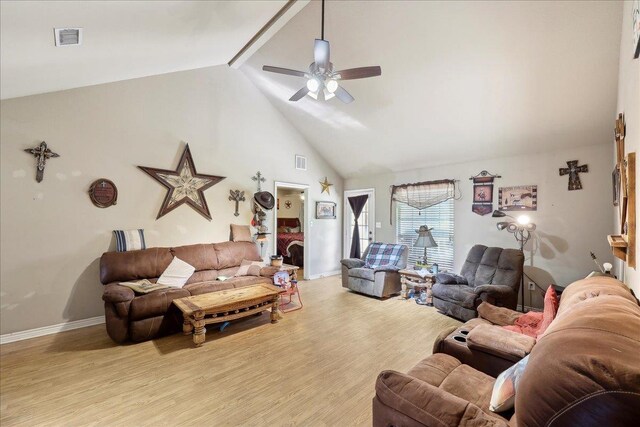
460,80
122,39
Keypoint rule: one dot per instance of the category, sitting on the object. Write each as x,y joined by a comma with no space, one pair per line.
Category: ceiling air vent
301,163
68,36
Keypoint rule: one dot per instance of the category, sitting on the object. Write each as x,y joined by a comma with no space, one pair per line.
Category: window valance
421,195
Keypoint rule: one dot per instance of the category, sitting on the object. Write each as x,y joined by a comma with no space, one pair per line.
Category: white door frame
307,219
347,216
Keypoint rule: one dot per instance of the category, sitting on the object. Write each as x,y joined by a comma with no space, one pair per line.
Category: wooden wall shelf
624,245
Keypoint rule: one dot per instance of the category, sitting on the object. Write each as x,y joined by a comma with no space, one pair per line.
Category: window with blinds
440,218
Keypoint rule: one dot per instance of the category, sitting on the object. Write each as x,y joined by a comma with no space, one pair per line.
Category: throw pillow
240,233
129,240
177,273
249,268
503,396
550,309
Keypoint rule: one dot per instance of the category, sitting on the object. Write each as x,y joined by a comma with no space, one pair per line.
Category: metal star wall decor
42,154
325,186
184,185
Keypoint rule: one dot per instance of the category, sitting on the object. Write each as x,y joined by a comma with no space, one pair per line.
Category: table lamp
261,238
425,240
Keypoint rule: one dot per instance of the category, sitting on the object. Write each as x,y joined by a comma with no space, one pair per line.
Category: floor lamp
521,229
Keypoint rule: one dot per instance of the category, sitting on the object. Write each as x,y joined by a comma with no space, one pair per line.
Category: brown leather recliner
584,371
144,317
488,274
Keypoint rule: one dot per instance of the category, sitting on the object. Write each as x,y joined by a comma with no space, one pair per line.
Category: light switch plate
378,225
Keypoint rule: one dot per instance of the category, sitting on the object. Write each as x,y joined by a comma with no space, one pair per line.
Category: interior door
366,222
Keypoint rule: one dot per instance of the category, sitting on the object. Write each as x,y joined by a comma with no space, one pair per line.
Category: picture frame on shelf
325,210
635,11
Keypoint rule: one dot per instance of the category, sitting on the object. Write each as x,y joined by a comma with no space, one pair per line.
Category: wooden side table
410,279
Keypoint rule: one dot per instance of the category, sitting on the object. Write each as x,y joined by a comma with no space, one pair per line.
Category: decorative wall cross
236,196
260,179
42,154
572,171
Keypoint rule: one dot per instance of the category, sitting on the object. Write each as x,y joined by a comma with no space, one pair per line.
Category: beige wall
570,223
629,104
52,236
295,210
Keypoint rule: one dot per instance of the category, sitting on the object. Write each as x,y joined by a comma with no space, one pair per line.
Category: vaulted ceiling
460,80
122,39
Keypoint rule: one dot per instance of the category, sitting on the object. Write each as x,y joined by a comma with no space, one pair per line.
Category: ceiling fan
322,79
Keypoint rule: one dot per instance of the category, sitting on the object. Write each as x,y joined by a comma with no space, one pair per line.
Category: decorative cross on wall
573,170
236,196
42,154
260,179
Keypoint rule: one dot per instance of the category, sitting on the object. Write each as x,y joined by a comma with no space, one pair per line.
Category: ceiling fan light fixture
328,95
313,85
332,85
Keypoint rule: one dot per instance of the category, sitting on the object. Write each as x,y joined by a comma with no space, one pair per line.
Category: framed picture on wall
325,210
520,198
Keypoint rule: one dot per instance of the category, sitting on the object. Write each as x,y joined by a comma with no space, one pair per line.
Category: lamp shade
425,239
498,214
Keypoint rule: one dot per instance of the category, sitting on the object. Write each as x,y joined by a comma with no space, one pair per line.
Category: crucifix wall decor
184,185
42,154
259,179
236,196
573,170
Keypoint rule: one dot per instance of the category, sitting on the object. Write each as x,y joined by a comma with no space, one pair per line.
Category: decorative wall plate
103,193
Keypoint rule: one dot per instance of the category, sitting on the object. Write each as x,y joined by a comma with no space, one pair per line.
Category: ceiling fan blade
286,71
321,53
343,95
299,94
359,73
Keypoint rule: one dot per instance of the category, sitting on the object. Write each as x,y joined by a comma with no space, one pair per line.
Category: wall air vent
68,36
301,163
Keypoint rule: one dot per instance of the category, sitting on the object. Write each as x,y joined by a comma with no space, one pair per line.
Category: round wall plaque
103,193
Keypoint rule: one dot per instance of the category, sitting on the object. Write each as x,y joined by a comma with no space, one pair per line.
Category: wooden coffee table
223,306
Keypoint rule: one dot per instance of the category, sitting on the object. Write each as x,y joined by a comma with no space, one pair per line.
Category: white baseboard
48,330
327,274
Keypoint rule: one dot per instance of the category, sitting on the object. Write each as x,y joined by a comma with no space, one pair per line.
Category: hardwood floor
315,367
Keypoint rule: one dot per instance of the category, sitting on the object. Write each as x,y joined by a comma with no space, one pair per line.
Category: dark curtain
357,204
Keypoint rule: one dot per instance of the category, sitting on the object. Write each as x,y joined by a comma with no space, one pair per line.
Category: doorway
366,222
291,223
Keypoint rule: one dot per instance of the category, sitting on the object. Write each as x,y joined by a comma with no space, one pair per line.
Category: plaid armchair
376,273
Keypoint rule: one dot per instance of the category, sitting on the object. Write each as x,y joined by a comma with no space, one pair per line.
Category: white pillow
503,396
176,274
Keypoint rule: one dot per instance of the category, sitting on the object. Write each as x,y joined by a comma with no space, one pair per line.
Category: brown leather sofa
584,371
144,317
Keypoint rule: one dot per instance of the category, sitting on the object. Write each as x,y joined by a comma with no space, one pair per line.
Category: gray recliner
379,281
488,274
